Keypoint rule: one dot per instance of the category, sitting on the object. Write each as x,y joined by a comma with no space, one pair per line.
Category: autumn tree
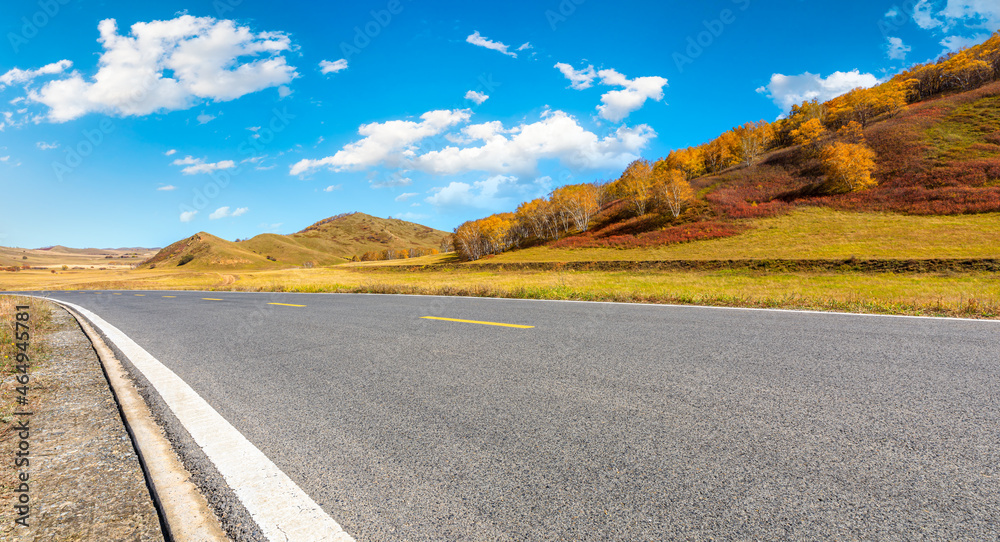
849,166
809,132
637,185
753,140
690,160
580,202
673,187
536,217
851,133
721,153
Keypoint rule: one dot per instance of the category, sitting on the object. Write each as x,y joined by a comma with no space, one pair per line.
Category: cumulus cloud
493,193
618,104
170,65
333,187
333,67
198,165
579,79
171,152
167,188
984,14
205,118
788,90
224,212
477,39
558,136
47,146
897,49
394,180
389,142
957,43
525,46
406,196
16,76
478,97
923,15
188,216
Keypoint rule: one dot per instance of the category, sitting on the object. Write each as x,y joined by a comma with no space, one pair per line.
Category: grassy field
813,233
810,233
966,294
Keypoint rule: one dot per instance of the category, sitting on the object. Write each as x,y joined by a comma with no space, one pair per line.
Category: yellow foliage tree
637,185
809,132
580,201
849,166
753,140
672,185
721,152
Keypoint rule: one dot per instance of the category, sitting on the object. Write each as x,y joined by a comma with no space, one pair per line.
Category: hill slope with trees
926,142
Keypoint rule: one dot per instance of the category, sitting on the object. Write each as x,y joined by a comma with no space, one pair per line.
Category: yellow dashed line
477,322
212,299
170,296
116,293
286,305
140,295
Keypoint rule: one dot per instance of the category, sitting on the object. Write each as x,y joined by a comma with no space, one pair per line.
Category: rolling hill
331,241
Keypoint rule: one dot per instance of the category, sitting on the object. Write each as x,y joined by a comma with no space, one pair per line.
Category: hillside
58,256
924,143
329,242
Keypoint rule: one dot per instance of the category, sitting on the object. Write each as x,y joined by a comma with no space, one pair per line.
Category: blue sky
140,123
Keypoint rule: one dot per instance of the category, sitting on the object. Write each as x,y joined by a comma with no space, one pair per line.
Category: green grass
814,233
960,135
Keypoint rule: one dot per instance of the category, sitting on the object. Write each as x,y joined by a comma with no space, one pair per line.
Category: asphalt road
601,422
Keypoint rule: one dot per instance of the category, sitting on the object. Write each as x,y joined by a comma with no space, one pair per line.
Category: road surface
599,421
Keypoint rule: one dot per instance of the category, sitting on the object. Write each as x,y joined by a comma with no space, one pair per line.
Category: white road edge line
279,506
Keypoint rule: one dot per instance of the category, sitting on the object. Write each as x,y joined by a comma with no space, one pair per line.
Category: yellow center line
285,305
476,322
140,295
116,294
170,296
212,299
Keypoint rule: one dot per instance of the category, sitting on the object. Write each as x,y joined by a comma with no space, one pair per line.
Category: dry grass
966,294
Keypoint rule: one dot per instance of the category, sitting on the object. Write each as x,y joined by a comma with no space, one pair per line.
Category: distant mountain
328,242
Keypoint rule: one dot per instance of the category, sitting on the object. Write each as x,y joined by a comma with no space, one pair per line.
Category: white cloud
492,193
224,212
525,46
923,15
167,188
284,92
897,49
333,187
16,76
984,14
333,67
198,165
406,196
558,136
892,13
170,65
957,43
579,79
788,90
389,142
47,146
478,97
171,152
205,118
618,104
273,228
4,158
477,39
188,216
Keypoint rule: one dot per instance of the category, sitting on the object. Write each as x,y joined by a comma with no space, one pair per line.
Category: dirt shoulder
85,481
